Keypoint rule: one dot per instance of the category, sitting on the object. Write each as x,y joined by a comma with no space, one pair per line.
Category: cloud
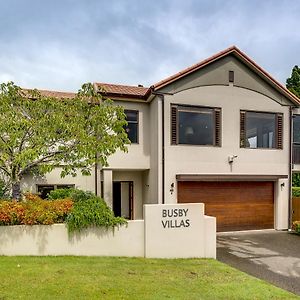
61,44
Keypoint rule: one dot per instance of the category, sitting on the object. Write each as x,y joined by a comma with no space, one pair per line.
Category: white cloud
60,45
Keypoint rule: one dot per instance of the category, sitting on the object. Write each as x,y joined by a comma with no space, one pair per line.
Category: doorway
123,199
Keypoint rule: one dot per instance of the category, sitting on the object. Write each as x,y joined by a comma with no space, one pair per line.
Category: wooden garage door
236,205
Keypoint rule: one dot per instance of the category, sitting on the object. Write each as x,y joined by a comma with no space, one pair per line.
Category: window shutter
173,125
279,142
242,129
218,127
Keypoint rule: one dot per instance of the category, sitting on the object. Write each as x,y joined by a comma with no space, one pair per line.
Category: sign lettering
175,218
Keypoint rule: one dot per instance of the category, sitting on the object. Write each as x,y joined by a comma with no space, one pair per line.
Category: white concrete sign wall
168,231
179,231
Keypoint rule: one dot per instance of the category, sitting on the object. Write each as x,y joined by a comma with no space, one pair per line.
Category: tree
293,82
39,133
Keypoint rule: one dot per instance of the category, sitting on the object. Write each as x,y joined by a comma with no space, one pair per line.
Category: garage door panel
236,205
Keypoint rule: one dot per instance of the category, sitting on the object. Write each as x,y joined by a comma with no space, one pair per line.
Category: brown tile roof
238,53
55,94
123,91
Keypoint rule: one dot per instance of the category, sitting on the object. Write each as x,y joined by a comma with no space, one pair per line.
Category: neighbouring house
218,132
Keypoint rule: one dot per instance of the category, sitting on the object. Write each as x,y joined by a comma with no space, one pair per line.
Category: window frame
278,129
134,122
295,145
217,123
55,186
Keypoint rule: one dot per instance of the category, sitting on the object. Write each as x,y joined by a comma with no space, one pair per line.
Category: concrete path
270,255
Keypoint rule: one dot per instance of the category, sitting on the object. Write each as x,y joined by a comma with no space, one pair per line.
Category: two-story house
218,132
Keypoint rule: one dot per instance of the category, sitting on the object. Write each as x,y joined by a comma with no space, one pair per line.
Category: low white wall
54,240
210,239
169,231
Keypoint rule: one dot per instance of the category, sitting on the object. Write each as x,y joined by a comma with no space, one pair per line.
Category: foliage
293,82
296,191
60,194
79,195
74,194
296,179
92,211
296,226
34,211
79,209
39,133
3,189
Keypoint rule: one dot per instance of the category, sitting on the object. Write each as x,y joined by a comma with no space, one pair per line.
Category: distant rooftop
124,91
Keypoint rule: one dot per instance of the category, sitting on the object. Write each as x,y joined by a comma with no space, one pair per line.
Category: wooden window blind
218,127
173,125
279,126
242,129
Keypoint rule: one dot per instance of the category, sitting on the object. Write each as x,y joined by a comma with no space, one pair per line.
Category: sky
61,44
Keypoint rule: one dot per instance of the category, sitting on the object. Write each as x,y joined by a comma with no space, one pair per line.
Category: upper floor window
193,125
296,139
261,130
132,128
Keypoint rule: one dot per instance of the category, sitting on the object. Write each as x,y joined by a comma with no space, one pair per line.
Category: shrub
92,212
2,189
79,195
32,197
60,194
296,191
296,226
82,211
74,194
11,212
296,179
34,211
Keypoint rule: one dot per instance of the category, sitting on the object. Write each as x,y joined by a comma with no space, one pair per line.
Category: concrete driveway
270,255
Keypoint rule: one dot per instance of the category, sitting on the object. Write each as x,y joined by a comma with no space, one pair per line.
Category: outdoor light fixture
231,158
172,188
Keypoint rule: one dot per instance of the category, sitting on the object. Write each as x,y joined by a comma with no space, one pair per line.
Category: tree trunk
16,190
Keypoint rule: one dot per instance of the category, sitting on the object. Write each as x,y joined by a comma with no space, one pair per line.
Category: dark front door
123,199
117,199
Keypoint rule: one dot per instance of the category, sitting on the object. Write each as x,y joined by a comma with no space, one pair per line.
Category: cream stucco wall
155,173
188,159
87,183
138,155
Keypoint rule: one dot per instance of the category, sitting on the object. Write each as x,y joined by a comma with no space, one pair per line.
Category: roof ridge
241,54
196,65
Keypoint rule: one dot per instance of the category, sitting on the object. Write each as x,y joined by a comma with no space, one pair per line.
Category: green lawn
128,278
